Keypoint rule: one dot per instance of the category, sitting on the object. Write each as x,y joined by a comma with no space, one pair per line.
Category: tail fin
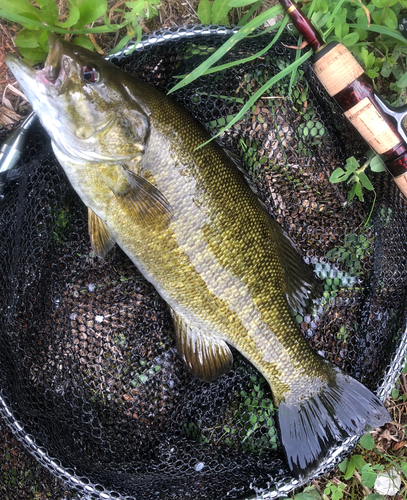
340,409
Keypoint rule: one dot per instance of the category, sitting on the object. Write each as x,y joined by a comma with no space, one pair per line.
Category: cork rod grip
344,79
401,182
337,69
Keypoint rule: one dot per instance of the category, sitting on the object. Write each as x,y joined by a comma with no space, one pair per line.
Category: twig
358,477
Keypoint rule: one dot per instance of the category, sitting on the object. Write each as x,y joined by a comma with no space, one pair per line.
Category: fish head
83,104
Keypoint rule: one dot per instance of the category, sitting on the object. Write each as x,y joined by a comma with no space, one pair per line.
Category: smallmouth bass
190,222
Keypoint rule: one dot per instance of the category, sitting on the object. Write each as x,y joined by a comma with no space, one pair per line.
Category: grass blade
244,19
382,30
261,91
16,18
334,12
243,32
282,24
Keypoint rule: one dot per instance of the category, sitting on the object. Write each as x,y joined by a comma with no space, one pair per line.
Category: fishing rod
380,124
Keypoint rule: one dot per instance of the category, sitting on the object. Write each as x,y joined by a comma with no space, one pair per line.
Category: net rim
83,485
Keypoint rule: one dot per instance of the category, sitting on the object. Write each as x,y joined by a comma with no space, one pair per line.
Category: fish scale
193,226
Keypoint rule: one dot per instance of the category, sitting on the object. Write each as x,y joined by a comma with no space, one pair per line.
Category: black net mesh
91,383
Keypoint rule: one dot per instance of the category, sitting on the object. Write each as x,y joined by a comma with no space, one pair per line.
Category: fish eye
90,74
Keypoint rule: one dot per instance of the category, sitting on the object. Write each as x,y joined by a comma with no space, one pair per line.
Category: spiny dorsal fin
206,357
300,282
100,236
144,201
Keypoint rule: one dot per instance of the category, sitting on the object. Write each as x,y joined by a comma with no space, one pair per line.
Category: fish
191,222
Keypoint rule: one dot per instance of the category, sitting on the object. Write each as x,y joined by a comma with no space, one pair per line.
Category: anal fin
206,357
100,236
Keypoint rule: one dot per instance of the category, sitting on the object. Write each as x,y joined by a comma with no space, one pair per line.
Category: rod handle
345,81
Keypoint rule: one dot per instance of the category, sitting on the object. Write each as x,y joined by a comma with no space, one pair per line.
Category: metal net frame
91,384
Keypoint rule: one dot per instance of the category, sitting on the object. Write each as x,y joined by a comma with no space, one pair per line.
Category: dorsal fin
100,236
206,357
299,280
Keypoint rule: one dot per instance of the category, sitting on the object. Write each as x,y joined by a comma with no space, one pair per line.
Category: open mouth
53,69
52,72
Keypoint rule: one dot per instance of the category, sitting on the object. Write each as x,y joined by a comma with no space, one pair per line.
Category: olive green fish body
193,226
218,231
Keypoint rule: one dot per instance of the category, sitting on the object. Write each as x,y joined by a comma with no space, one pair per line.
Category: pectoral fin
100,236
143,200
206,357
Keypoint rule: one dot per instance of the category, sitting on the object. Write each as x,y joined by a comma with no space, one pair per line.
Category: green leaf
43,40
280,25
362,34
20,7
335,12
390,19
359,462
321,6
136,13
73,16
340,18
395,393
121,44
83,41
320,19
27,38
49,11
350,39
368,58
374,496
304,496
377,16
89,10
33,56
352,164
205,11
352,192
15,18
372,73
368,478
381,29
402,82
367,442
240,3
339,175
386,68
338,493
342,30
377,165
220,9
344,465
364,179
350,469
380,4
358,191
242,33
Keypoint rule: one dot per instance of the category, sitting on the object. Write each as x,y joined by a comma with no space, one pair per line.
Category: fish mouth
52,72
